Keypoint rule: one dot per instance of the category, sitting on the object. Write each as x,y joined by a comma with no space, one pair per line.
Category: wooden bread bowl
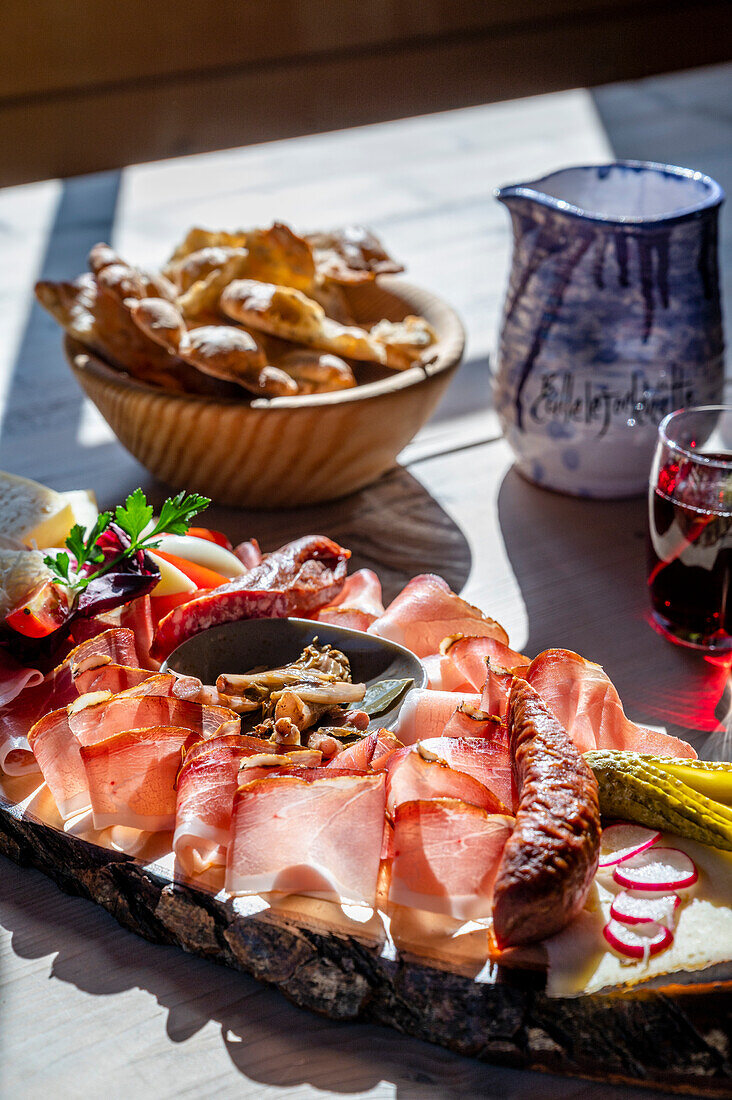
284,451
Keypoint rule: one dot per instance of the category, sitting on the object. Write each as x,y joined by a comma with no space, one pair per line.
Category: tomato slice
45,610
199,574
211,536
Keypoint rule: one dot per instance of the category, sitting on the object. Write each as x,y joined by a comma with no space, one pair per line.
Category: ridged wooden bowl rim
446,354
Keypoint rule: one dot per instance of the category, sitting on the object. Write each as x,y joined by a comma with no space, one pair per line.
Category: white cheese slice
33,513
39,517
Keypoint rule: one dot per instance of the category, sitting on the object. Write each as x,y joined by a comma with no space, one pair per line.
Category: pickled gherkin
648,790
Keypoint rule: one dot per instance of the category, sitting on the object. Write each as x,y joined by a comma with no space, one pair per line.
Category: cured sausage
551,856
297,579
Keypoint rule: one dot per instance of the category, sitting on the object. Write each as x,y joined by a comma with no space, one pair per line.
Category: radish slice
623,840
637,943
645,908
658,869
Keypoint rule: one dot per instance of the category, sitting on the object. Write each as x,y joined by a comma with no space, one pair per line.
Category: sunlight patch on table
26,218
93,429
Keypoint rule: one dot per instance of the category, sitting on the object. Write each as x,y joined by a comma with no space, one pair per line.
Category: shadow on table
393,527
580,566
269,1041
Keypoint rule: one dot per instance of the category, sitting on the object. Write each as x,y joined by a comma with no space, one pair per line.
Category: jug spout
518,193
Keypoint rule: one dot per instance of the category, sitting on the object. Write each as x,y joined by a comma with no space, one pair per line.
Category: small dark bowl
251,643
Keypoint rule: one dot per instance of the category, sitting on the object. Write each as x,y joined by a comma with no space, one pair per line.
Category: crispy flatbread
222,351
196,239
276,255
198,265
351,255
285,312
106,328
121,280
316,371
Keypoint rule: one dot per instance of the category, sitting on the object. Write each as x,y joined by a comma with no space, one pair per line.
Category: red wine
690,553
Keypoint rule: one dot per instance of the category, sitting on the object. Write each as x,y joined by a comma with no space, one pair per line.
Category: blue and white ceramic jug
612,319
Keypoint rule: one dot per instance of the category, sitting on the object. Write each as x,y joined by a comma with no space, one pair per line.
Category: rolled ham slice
113,646
55,691
426,713
488,761
207,783
356,757
133,712
15,755
320,838
14,677
585,702
446,855
357,605
463,664
19,716
111,677
58,755
426,611
412,776
131,777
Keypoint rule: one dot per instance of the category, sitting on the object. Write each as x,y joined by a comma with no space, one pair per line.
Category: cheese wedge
37,516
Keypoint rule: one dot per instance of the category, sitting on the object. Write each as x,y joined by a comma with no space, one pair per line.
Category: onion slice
630,908
657,869
637,943
624,840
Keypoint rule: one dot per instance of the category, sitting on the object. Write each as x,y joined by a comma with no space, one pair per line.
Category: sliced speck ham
487,760
131,777
58,755
133,712
110,677
585,702
426,611
356,757
446,855
357,605
410,777
465,662
207,783
113,646
426,713
321,838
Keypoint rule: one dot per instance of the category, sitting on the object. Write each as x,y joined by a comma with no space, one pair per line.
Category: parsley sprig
135,519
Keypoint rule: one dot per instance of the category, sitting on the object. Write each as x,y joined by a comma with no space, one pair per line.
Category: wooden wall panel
74,44
106,125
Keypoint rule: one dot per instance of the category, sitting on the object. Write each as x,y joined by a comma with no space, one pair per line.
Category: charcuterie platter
387,813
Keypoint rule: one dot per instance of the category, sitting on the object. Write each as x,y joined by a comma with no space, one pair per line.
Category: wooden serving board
410,971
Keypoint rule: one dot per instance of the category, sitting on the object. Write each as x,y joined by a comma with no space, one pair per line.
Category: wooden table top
90,1009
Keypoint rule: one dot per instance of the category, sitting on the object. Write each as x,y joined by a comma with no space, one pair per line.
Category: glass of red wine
690,518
